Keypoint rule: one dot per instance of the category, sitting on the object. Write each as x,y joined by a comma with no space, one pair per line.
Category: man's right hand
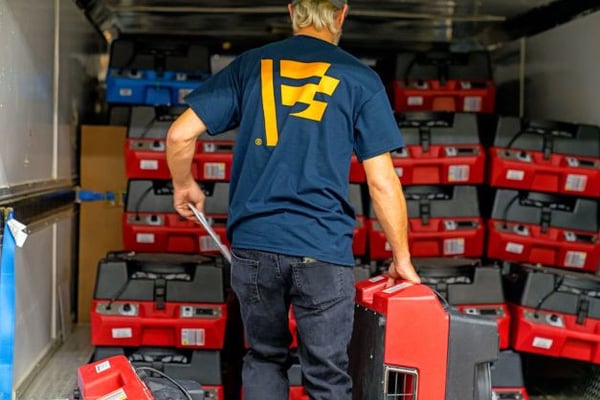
183,195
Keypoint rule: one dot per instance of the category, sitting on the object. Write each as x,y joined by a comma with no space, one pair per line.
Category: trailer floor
57,378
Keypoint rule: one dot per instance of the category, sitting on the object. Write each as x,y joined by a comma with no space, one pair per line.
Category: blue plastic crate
146,87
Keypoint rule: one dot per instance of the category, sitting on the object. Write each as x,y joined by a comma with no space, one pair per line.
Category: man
303,106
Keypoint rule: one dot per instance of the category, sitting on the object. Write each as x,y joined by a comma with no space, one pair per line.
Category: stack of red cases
454,82
555,313
172,305
150,223
548,229
444,221
546,156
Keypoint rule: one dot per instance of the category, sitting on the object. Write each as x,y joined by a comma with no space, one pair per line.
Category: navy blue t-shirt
303,106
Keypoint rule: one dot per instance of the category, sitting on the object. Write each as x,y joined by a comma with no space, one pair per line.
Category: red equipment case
418,347
546,156
145,147
359,241
439,81
357,171
297,391
507,377
440,148
547,229
159,300
470,287
150,224
203,367
556,313
113,378
214,156
443,221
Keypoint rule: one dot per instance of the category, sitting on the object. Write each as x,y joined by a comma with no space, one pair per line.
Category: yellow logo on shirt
292,95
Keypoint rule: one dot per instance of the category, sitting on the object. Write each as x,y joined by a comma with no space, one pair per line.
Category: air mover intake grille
400,383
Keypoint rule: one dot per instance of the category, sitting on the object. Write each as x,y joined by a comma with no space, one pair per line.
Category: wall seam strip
53,317
55,89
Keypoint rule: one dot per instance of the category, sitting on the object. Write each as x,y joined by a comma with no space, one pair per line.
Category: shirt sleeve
376,129
217,101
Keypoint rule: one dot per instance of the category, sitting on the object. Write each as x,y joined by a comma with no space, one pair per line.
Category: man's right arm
389,205
181,146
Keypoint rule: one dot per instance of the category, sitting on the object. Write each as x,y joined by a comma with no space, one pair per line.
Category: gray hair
319,14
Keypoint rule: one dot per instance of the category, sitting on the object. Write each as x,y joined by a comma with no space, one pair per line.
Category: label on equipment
576,183
459,173
102,366
192,337
125,92
515,248
214,170
542,343
118,394
399,172
388,247
473,104
575,259
454,246
144,238
376,279
515,175
415,101
149,165
397,288
122,333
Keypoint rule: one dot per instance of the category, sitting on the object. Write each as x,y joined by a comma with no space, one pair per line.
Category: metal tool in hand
200,216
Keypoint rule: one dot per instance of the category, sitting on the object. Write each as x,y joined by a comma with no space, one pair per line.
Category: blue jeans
322,296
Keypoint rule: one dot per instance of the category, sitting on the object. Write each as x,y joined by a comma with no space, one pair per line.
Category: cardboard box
100,229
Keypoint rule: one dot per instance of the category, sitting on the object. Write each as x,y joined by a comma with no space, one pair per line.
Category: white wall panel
506,61
562,80
77,38
33,268
26,70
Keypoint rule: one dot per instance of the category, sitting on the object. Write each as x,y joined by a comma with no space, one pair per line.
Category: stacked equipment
156,73
442,81
165,310
546,207
556,314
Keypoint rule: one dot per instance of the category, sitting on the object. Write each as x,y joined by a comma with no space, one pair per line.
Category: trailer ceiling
374,25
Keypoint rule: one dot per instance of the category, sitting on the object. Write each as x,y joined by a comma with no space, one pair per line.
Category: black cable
147,127
118,295
514,138
140,199
167,377
444,301
409,69
507,209
557,284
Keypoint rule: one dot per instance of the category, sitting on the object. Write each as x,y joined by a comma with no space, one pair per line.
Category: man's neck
324,34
